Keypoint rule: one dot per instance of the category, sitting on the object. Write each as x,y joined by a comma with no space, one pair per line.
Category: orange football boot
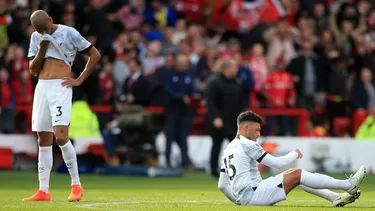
39,195
76,193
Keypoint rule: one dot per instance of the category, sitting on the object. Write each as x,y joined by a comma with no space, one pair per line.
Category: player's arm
94,57
256,152
36,56
87,48
280,162
224,185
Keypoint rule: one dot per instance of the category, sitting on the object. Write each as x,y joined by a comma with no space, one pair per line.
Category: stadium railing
301,114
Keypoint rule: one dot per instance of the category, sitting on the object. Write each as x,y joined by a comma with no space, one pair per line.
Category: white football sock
321,181
44,167
324,193
70,158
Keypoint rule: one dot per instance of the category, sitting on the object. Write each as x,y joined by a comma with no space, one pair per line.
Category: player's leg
295,177
337,200
42,124
61,107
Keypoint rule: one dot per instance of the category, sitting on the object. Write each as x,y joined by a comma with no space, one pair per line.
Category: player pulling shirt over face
52,51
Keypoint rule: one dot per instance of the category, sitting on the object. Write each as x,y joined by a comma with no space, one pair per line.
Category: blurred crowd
316,54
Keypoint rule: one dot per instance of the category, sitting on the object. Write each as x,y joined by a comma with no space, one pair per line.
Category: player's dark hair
249,116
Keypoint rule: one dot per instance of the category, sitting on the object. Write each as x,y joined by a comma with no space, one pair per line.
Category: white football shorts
269,192
52,105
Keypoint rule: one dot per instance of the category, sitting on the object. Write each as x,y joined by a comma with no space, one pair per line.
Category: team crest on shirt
175,79
187,80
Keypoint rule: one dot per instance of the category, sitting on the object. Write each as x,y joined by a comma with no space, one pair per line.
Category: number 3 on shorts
59,111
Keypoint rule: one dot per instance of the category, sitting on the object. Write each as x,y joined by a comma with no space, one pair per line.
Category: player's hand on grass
299,154
70,82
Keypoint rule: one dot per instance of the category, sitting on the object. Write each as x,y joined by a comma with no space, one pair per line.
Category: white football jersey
240,162
68,39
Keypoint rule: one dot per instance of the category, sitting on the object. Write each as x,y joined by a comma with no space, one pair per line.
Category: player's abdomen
54,69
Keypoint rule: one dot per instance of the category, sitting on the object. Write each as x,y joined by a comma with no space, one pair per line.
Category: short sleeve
254,151
79,41
33,48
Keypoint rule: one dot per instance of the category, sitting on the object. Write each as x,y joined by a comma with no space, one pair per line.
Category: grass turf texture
119,193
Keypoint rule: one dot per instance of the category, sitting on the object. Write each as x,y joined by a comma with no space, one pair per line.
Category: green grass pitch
196,192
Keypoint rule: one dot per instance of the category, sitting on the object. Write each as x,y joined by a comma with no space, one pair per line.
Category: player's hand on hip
299,154
70,82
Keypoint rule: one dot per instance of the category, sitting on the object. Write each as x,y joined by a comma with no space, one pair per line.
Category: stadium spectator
131,15
246,78
337,90
151,32
280,93
136,87
106,83
363,93
180,92
225,101
6,110
308,76
23,92
259,67
163,14
158,80
281,40
17,61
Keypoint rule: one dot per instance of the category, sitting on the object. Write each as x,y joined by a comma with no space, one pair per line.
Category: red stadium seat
6,158
341,126
198,126
98,150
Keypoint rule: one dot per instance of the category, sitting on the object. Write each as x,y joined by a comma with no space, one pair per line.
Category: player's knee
45,139
297,175
61,139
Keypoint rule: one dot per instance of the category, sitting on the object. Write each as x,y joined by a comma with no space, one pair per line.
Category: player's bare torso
54,69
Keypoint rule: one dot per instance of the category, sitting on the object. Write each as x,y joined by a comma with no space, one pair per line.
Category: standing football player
241,182
52,51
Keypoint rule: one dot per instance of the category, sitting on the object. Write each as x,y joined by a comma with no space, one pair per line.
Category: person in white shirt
52,51
240,180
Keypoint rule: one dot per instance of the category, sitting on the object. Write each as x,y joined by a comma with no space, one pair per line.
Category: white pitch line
96,206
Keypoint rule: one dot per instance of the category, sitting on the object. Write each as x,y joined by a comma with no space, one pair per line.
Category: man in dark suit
136,89
225,101
309,76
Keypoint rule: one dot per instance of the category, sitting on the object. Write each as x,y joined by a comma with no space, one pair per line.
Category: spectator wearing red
281,94
193,9
23,91
23,88
18,63
106,83
259,67
6,111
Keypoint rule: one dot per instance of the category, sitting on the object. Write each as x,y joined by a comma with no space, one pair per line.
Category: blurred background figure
225,100
280,94
180,92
